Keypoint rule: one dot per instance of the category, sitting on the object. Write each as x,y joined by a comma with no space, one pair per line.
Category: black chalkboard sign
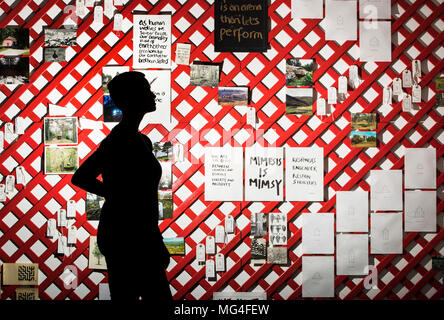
241,25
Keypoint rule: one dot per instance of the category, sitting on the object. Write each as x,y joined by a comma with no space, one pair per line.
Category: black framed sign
241,25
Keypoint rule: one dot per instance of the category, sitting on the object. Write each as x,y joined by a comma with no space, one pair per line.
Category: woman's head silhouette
131,93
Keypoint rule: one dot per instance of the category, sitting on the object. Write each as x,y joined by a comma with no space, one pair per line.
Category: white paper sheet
307,9
223,174
375,9
318,233
386,233
264,174
420,168
385,190
318,277
304,174
352,211
352,254
341,20
420,211
375,43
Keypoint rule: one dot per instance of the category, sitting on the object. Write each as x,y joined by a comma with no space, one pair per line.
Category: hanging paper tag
200,253
406,79
90,3
61,244
98,15
416,94
10,136
10,184
397,87
2,141
416,68
61,218
178,152
387,98
118,3
2,193
118,22
19,125
353,76
229,224
51,228
332,95
321,109
210,245
220,262
210,271
407,103
71,209
20,175
251,116
342,85
220,234
80,8
72,235
108,8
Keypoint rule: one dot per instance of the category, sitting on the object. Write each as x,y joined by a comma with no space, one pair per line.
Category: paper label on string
10,184
220,234
397,87
61,218
200,252
98,15
19,125
387,98
108,8
10,136
80,8
210,245
210,271
183,51
51,228
178,152
220,262
20,175
332,95
71,209
2,193
118,22
416,68
118,3
90,3
342,84
353,76
72,235
406,79
2,141
416,93
229,224
321,107
407,103
251,116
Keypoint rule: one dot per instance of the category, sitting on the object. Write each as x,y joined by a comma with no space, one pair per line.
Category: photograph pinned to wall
60,37
233,96
175,245
363,139
258,224
363,121
439,84
61,130
163,151
151,41
93,206
440,100
204,74
278,229
160,84
299,72
14,70
299,101
14,42
61,160
240,26
258,251
96,258
54,54
277,255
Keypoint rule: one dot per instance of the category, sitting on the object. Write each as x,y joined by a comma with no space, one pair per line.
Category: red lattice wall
417,33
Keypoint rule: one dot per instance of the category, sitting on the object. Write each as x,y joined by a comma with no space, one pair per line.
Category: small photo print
175,245
163,151
233,96
299,101
204,75
14,70
299,72
110,112
258,251
165,204
363,139
96,258
277,255
60,130
61,160
258,224
93,204
54,54
440,99
363,121
60,37
14,42
439,84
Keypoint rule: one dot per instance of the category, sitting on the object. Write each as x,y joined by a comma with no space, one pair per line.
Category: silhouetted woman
128,233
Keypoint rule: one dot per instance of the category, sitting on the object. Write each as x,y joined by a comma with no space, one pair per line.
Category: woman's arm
86,176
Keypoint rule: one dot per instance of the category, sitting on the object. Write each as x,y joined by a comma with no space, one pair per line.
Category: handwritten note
152,41
304,174
264,174
241,25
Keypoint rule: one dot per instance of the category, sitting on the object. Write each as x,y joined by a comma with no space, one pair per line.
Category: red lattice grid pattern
198,121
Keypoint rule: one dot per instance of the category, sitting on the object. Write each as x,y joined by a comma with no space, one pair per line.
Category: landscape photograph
299,101
299,72
363,121
363,139
233,96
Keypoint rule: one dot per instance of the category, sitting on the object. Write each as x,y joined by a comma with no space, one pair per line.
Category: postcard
363,121
96,258
60,130
175,246
363,139
299,72
233,96
299,101
204,74
61,160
